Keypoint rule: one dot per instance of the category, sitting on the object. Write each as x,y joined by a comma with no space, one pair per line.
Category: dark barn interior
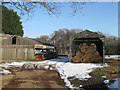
96,41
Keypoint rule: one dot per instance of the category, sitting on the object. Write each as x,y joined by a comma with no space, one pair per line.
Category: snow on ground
62,65
112,56
80,70
115,84
5,72
12,64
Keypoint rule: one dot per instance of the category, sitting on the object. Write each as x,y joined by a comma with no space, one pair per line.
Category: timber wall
17,52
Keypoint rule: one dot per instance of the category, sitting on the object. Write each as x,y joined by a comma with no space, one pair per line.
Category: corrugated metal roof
7,40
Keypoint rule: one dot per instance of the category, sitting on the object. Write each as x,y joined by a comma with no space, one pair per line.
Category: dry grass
112,71
6,79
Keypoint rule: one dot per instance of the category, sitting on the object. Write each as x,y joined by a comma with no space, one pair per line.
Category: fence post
70,50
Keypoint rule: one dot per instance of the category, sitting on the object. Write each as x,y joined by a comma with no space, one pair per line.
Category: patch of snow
105,65
80,71
103,76
51,68
28,66
80,85
5,72
12,64
112,56
106,81
46,67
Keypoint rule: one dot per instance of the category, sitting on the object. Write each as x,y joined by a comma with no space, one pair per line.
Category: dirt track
36,79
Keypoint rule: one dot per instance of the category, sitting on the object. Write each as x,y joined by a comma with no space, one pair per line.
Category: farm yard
60,73
44,48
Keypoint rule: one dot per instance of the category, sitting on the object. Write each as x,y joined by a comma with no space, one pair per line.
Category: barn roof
88,34
44,43
7,39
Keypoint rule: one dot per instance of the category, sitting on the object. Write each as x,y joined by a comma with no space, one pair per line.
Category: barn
87,37
17,47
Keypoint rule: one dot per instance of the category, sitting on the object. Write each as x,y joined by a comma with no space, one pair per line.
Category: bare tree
43,38
111,45
61,39
53,8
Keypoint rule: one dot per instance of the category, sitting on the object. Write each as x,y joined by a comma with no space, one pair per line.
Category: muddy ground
46,79
35,79
96,81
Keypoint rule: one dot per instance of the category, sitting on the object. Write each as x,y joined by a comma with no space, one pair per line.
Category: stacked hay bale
87,54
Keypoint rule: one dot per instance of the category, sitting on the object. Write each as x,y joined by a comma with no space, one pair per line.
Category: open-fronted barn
85,45
17,47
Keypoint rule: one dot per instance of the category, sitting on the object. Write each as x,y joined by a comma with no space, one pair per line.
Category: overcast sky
101,17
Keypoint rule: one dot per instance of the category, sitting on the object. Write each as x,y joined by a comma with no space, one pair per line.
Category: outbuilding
17,47
89,38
